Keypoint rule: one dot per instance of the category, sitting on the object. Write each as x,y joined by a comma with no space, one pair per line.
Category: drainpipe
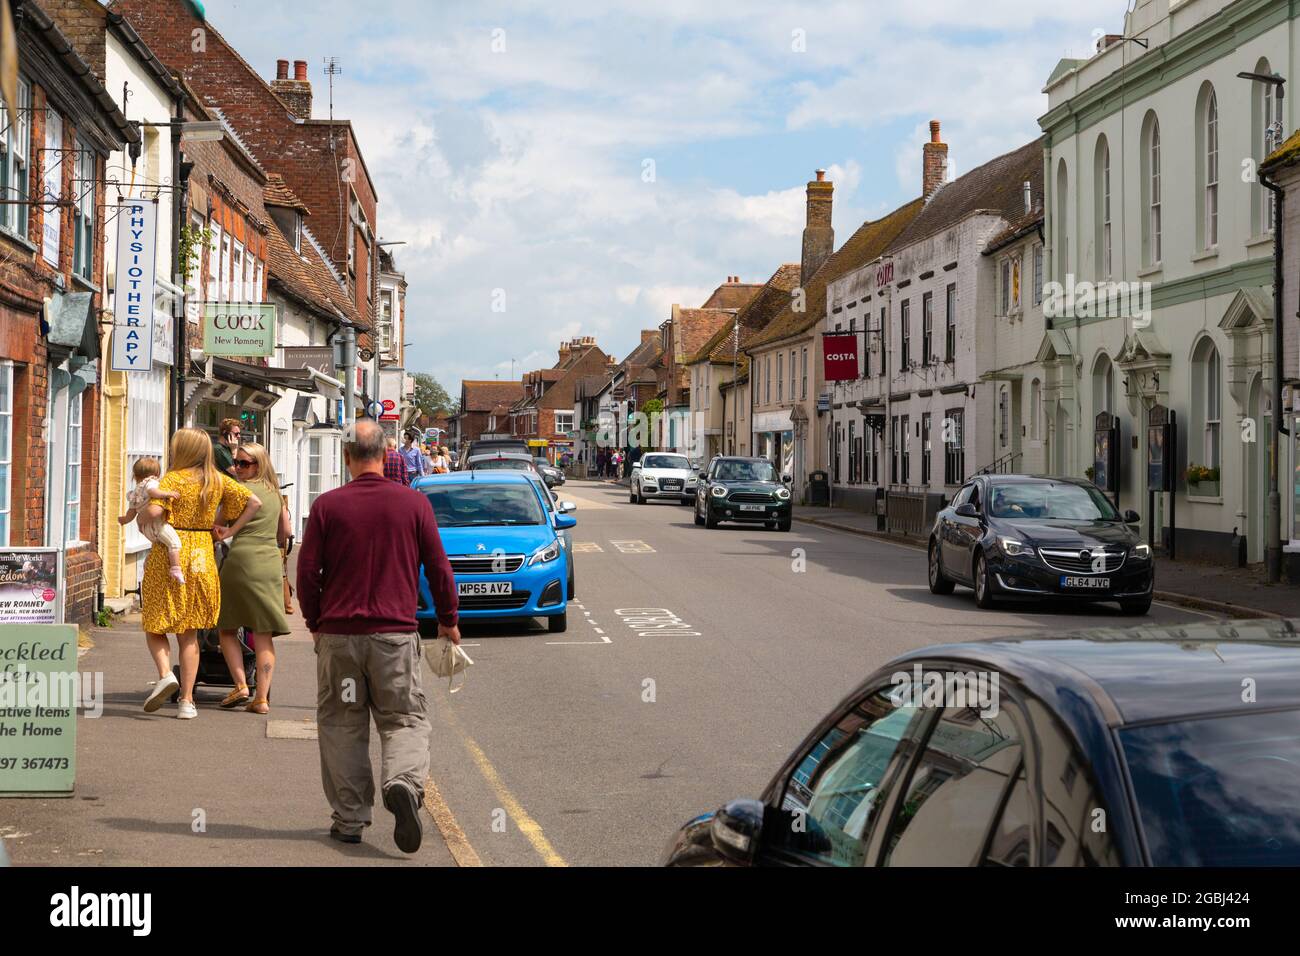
1273,514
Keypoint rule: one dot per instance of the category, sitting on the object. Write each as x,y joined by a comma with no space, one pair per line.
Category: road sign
374,409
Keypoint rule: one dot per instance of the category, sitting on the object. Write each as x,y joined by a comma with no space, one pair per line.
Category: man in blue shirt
414,460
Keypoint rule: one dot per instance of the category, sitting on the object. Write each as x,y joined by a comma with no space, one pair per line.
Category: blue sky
521,167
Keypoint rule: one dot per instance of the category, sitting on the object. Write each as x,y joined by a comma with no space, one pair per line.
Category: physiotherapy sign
234,329
133,285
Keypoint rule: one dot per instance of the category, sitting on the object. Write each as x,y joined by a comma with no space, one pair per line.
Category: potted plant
1091,472
1202,481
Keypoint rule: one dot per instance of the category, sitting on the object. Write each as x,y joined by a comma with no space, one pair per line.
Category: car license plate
752,507
1094,584
484,587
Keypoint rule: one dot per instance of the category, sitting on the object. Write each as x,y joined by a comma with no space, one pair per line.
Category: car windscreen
1219,791
1045,500
477,505
502,464
745,471
665,461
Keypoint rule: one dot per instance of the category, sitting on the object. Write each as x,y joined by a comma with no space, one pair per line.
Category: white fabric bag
447,660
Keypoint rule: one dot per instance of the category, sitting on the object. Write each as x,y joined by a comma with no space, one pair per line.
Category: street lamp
1273,517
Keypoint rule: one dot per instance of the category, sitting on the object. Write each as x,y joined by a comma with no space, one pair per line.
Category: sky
574,168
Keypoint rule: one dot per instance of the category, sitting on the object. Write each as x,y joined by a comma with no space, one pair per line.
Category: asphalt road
591,747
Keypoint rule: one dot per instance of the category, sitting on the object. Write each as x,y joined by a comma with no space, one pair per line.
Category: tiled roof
732,295
1284,155
772,297
486,396
307,278
996,187
693,327
278,193
871,239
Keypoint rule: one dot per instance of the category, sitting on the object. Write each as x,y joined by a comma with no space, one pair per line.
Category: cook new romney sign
239,328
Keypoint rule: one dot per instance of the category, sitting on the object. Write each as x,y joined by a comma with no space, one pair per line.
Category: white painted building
1150,145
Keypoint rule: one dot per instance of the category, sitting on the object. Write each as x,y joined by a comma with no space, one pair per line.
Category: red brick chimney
295,92
934,162
818,236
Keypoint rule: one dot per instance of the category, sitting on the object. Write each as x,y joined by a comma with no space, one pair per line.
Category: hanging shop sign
133,285
235,329
840,357
31,586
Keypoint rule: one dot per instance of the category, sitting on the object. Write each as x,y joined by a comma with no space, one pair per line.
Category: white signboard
133,286
53,187
390,393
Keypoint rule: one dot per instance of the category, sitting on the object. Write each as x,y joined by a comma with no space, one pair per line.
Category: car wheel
709,520
558,623
1136,607
983,584
783,525
696,512
939,582
570,587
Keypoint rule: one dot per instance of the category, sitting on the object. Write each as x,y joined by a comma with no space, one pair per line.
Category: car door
955,564
967,532
834,789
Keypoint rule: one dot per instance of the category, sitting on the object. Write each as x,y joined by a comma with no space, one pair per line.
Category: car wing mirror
787,479
967,510
736,830
564,522
567,506
1131,517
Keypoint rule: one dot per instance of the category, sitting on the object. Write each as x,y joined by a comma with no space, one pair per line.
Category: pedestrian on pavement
395,464
168,606
358,591
252,582
413,458
223,447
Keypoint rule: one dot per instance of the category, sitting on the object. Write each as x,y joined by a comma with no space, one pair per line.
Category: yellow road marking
527,825
445,820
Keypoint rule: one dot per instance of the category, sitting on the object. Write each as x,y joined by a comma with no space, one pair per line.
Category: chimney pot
300,70
934,131
1029,196
281,69
934,162
821,175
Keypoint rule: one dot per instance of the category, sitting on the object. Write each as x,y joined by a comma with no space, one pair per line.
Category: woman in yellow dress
170,607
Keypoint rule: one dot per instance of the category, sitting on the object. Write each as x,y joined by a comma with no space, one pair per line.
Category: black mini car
746,490
1148,746
1026,538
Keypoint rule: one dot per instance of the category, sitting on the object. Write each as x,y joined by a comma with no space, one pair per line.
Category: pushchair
213,671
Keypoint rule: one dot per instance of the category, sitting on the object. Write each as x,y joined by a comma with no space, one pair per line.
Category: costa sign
840,357
232,329
884,274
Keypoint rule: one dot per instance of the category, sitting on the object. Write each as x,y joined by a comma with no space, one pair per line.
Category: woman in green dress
252,590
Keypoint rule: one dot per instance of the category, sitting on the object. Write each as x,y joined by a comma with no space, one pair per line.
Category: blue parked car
505,548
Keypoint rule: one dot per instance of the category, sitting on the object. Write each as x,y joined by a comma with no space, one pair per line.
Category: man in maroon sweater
358,585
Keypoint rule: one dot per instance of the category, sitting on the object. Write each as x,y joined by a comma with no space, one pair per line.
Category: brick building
545,413
51,237
484,410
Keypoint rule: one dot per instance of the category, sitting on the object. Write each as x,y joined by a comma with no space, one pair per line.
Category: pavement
695,660
1236,592
228,788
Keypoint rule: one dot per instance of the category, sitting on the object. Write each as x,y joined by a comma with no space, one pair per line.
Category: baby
158,531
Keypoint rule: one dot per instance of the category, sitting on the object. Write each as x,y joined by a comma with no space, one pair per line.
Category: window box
1204,490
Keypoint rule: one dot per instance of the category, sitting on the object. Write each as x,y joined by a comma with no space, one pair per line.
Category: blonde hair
146,468
262,462
191,449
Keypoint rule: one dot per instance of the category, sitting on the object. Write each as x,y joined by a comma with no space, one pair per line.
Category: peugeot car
505,549
1027,538
1110,747
746,490
659,475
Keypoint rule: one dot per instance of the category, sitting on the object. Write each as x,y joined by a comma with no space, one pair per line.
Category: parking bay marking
587,547
633,547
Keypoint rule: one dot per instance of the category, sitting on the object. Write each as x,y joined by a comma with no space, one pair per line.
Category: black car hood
759,487
1069,534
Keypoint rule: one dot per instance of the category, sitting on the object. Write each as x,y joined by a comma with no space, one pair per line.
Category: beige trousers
360,677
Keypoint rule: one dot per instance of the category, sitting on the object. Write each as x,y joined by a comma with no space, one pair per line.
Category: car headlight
1142,551
548,553
1013,547
718,492
783,493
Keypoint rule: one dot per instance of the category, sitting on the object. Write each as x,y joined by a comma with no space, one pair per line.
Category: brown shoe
258,707
239,695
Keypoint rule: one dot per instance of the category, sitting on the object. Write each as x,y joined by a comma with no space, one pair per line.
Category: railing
906,511
1001,466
